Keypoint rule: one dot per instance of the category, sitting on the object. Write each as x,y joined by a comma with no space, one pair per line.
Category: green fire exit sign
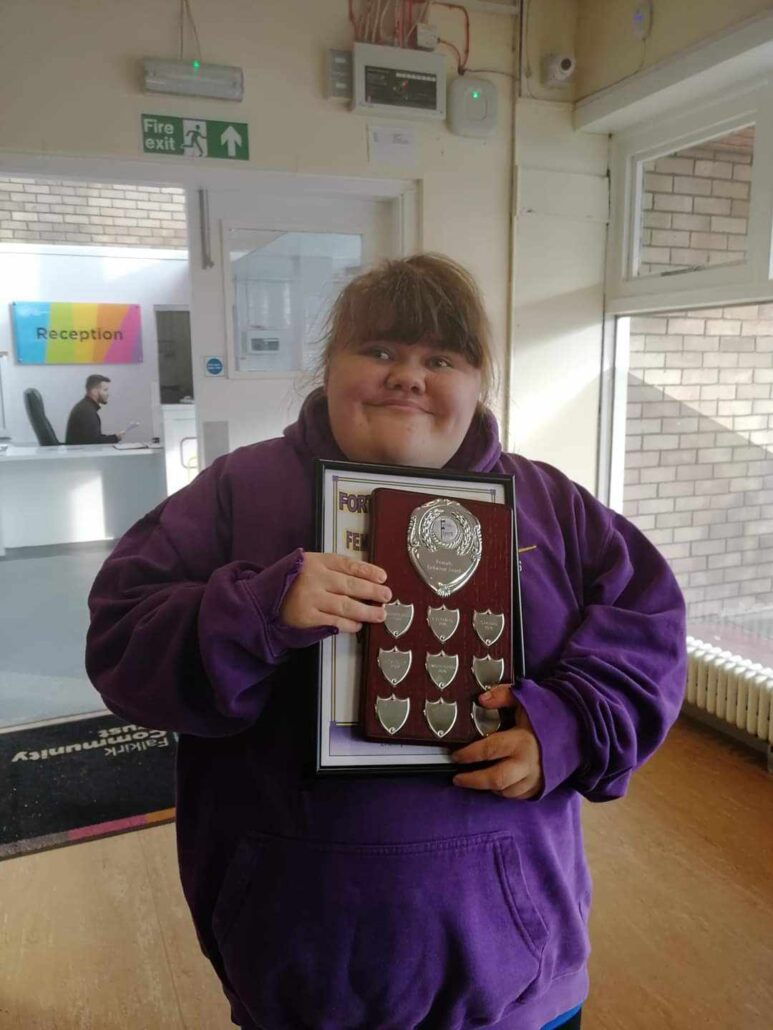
195,137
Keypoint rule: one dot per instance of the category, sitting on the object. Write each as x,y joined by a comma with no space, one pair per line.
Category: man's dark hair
95,380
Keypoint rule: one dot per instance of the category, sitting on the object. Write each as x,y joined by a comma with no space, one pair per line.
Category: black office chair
36,413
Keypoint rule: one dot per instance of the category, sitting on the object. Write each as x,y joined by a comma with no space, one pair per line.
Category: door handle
206,248
194,457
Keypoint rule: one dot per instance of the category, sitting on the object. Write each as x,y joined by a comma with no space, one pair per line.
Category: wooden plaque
424,698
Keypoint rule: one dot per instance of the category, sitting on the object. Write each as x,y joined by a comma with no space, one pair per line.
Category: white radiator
731,688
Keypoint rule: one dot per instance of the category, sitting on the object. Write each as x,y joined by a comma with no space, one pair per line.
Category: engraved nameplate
392,712
486,720
443,622
489,626
488,671
442,668
440,716
398,617
394,664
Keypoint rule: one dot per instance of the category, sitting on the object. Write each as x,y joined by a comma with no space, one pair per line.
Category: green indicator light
196,65
475,94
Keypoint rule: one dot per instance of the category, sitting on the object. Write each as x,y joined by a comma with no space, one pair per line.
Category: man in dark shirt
84,424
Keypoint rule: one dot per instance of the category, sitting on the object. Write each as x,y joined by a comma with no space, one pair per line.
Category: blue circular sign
214,366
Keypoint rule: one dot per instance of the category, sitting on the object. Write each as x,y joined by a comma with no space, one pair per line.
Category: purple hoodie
381,903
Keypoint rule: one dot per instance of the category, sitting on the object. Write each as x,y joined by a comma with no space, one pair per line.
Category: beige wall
549,28
80,69
607,50
558,289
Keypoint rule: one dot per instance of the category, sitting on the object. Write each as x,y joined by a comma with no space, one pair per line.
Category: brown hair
426,296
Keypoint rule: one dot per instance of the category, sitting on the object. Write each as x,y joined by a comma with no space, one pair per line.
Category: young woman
439,902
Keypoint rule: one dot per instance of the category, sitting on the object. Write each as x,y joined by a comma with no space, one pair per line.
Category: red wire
444,42
458,7
411,25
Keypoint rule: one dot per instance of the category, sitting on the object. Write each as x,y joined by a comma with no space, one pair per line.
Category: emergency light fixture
193,79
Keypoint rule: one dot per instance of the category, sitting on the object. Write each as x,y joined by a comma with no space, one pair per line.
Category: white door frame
209,175
196,178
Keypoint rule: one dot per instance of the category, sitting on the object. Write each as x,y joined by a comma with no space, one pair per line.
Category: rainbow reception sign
76,334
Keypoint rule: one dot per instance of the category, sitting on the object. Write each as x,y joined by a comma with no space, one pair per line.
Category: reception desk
68,495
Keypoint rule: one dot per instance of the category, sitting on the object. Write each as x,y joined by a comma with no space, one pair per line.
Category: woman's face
401,404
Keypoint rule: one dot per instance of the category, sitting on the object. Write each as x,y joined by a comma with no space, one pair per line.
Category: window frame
745,282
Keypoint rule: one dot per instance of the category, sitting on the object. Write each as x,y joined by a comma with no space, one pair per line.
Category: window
284,284
694,206
699,454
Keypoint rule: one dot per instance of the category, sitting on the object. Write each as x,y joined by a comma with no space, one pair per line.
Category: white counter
63,495
71,452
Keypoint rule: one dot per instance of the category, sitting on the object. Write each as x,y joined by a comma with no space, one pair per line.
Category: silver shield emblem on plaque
486,720
489,626
392,712
440,716
398,617
443,622
394,664
442,668
445,544
488,671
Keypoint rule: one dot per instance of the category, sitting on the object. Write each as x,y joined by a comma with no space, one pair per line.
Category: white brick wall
50,211
699,460
699,471
695,206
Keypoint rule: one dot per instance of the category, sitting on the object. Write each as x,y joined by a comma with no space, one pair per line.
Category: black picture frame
330,672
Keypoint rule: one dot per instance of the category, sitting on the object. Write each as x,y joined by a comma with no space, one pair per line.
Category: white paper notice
392,144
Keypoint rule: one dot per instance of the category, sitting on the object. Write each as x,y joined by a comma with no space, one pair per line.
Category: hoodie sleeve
618,685
181,638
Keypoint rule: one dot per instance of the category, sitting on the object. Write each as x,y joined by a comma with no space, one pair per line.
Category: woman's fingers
496,745
508,774
354,567
340,606
332,590
356,587
516,771
523,790
341,624
348,585
500,696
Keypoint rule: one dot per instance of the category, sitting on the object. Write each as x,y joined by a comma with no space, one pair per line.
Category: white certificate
343,496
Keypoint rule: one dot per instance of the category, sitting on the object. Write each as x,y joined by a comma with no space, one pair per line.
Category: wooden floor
97,936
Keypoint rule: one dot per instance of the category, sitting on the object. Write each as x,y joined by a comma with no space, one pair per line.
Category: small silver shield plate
488,625
398,617
486,720
443,622
394,664
442,668
488,671
440,716
445,544
392,712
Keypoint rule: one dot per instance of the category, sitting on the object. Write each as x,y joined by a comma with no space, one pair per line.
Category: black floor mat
71,781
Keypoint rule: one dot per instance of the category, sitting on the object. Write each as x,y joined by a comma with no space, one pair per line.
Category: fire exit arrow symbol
231,140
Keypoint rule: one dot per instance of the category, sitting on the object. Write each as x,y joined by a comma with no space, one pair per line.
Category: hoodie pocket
380,937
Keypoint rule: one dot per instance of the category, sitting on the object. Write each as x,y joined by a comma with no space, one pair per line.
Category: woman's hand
331,590
517,768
